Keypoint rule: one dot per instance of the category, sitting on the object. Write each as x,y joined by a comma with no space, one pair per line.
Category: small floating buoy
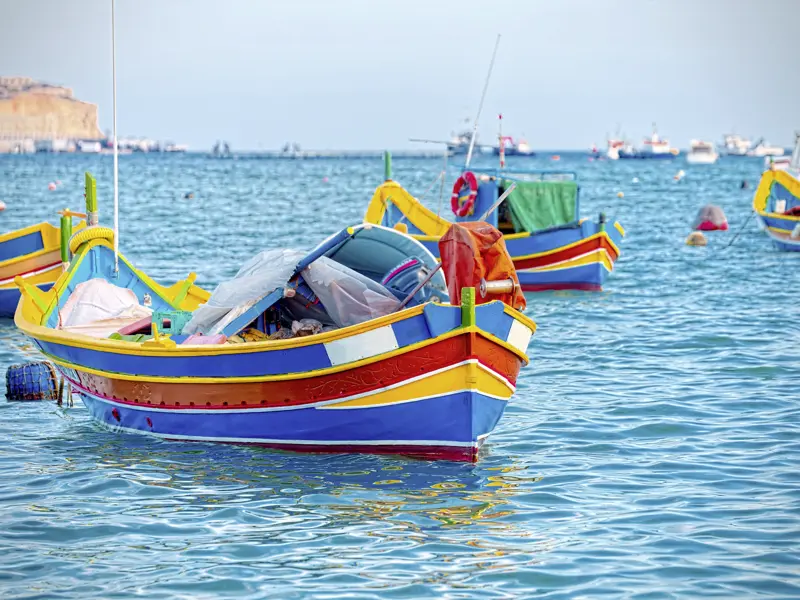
51,186
696,238
555,157
620,195
635,180
324,180
32,381
188,195
679,175
2,206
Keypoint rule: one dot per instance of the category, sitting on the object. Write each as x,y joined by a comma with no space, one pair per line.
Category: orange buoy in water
555,157
51,186
2,206
696,238
620,195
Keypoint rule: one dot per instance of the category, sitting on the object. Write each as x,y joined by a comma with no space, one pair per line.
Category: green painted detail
602,221
91,193
387,165
66,233
136,337
177,321
184,290
467,306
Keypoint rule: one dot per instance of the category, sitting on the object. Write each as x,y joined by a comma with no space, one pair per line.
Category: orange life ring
467,178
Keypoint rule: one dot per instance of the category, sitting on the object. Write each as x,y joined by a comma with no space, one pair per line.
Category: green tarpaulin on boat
538,205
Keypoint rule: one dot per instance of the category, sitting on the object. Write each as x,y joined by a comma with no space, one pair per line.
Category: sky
370,74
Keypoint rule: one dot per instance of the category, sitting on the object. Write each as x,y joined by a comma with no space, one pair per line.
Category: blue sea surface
652,449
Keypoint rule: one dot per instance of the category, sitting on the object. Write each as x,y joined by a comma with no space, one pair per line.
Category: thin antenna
116,147
480,106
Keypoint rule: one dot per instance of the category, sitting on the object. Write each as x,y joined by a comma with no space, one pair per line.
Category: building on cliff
35,115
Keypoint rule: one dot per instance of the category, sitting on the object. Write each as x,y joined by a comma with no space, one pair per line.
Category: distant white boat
654,147
765,149
702,153
89,147
735,145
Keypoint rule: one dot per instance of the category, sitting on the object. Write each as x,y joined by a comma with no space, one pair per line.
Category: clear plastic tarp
347,296
258,277
98,308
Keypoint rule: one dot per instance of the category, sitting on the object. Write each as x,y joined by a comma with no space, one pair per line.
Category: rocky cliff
38,111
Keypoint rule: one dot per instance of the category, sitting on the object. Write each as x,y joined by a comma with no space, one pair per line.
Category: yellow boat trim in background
51,240
597,235
45,275
764,190
414,211
593,257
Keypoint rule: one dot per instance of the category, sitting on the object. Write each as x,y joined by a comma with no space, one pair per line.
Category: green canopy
538,205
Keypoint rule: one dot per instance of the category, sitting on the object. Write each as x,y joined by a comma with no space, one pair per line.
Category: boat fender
88,234
467,178
696,239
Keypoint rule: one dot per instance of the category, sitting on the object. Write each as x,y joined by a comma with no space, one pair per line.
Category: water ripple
651,450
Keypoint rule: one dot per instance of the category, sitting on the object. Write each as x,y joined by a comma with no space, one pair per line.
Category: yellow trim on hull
465,376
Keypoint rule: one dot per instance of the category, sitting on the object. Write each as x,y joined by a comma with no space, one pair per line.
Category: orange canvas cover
472,251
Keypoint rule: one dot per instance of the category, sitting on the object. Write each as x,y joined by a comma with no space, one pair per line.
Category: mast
480,106
116,146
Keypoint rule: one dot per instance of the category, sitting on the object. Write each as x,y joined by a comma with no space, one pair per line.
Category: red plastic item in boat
473,251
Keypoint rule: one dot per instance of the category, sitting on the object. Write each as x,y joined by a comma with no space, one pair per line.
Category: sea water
651,450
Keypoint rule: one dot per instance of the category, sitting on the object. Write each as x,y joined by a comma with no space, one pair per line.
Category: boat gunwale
47,334
474,329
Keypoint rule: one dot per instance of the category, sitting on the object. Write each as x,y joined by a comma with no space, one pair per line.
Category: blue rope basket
32,381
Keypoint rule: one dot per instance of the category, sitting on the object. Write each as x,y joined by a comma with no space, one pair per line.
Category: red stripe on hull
307,390
545,287
568,253
454,453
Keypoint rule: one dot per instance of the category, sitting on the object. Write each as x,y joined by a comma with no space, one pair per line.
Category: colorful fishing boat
33,253
551,246
777,204
426,378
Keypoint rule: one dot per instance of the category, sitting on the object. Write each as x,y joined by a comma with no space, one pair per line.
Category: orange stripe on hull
299,392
